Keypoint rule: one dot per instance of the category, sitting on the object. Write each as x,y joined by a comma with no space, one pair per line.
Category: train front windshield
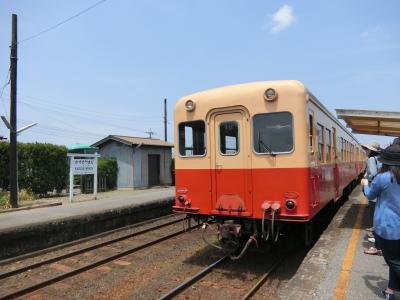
273,132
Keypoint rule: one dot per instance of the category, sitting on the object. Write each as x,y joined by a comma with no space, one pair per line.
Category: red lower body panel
247,192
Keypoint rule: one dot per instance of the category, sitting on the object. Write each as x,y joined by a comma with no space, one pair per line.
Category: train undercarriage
236,235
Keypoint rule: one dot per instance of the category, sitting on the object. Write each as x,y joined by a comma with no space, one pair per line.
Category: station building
142,162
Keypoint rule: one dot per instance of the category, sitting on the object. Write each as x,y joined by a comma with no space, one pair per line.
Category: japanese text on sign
82,166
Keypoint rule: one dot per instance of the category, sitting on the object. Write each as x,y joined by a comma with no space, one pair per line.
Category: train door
230,164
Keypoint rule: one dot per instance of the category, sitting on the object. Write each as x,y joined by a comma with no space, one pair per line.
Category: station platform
29,230
336,267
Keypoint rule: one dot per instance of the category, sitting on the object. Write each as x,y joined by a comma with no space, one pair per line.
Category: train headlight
290,204
270,95
181,198
190,105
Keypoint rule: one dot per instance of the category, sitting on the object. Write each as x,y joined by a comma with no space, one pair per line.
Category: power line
6,83
82,116
62,22
79,109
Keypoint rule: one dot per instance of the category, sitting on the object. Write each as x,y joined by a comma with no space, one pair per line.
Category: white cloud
282,18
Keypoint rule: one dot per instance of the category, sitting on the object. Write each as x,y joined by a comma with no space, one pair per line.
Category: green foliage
41,167
4,200
107,167
44,167
4,165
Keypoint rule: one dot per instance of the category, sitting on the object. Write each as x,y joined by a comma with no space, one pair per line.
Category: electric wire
62,129
6,83
62,22
87,110
73,115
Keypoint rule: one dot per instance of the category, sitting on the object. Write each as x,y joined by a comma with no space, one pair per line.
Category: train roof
327,112
243,88
209,96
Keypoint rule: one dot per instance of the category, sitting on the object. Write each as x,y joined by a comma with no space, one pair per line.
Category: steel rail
262,280
8,261
58,278
83,250
192,279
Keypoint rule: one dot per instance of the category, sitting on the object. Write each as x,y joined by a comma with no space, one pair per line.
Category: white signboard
83,166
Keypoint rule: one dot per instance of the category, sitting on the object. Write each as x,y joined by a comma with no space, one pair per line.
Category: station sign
83,166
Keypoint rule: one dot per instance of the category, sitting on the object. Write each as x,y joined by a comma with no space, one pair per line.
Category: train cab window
229,138
320,131
328,145
192,138
273,132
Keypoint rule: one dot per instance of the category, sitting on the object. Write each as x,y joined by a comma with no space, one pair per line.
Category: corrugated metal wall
123,154
141,155
133,163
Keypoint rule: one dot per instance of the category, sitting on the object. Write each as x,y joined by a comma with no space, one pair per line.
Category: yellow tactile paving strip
344,276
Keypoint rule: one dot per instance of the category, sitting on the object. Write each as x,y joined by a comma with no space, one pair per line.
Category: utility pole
13,116
150,133
165,119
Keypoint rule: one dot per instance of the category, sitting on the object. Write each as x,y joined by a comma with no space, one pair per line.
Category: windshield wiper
261,143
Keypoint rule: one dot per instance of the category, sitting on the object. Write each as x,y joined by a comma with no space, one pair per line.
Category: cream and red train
256,156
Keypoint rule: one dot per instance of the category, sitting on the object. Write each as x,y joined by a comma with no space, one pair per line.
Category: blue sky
108,71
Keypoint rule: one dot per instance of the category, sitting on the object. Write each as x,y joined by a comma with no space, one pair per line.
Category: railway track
263,279
28,289
192,279
195,278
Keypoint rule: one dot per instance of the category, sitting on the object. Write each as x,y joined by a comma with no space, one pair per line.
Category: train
259,158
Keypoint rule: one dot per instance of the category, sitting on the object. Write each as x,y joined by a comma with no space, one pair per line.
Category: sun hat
373,146
390,156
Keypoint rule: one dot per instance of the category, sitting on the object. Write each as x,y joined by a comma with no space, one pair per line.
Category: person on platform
386,188
373,166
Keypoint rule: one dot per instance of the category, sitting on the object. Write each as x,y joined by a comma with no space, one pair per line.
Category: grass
4,200
23,195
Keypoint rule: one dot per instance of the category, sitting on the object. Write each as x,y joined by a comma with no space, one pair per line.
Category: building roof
371,121
80,147
131,140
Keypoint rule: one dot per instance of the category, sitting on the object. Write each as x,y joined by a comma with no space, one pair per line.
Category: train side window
320,131
343,150
229,138
273,133
311,133
351,152
334,141
192,138
339,149
328,145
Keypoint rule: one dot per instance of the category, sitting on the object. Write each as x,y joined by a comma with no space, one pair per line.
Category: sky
108,70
